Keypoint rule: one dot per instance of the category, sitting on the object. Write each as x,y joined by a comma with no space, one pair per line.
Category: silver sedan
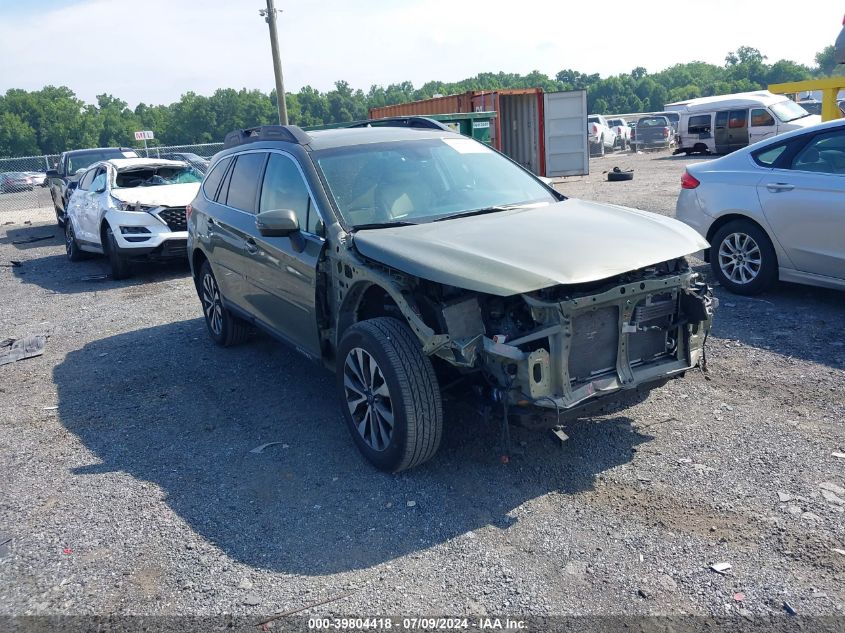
773,210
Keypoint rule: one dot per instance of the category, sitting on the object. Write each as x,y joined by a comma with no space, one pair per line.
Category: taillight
666,132
188,210
688,181
843,20
633,133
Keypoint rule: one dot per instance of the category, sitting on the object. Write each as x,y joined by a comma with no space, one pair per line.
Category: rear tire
224,327
120,268
389,393
743,259
74,253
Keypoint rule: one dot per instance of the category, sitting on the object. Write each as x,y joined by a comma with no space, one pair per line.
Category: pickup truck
65,176
600,135
623,132
653,132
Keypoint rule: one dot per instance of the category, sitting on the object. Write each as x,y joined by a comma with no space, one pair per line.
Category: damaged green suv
411,260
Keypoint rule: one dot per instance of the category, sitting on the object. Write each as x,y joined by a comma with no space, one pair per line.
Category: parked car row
657,131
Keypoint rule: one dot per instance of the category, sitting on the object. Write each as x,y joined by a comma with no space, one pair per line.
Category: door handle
776,187
251,246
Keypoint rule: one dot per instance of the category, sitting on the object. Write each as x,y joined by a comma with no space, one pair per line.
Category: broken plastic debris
12,350
720,568
739,596
260,449
67,551
411,504
788,608
50,408
837,454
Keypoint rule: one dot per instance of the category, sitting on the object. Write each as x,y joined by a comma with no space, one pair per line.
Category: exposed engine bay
559,347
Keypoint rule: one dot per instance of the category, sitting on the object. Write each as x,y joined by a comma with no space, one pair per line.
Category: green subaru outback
413,260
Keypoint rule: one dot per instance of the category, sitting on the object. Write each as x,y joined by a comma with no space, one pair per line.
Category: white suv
130,208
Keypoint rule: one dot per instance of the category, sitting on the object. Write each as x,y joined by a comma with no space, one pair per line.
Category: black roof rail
288,133
419,122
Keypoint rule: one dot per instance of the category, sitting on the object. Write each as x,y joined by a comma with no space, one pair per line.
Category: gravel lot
129,486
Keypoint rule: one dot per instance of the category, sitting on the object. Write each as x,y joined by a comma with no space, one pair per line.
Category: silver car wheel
211,304
368,398
740,258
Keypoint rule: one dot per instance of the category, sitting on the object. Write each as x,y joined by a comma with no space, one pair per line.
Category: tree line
54,119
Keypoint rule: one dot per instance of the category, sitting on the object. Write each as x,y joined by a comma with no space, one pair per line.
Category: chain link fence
23,179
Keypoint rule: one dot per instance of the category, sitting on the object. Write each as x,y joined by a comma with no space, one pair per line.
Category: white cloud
155,50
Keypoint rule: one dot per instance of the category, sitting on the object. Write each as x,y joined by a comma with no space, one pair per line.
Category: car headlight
122,205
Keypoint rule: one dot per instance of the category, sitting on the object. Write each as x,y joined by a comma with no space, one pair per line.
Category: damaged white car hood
521,250
159,195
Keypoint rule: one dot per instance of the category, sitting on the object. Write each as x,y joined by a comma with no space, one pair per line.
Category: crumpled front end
562,347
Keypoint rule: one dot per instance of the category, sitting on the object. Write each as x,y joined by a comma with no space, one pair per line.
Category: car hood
521,250
159,195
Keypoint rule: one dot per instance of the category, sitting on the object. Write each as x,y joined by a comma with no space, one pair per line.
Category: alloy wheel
740,258
211,304
368,398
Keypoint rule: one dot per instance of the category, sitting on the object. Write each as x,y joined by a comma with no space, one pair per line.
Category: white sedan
131,208
773,210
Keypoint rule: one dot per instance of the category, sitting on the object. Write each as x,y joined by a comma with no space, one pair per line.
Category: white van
725,123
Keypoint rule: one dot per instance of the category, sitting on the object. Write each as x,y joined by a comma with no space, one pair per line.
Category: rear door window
824,154
243,183
738,119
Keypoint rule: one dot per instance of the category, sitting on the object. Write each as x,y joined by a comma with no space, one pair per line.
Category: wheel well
722,221
103,227
198,258
364,301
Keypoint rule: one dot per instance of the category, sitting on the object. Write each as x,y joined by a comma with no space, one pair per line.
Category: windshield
787,110
424,179
154,176
83,161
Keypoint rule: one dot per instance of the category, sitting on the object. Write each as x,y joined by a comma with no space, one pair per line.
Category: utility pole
270,17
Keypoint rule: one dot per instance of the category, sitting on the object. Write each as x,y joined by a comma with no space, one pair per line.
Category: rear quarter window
768,157
212,182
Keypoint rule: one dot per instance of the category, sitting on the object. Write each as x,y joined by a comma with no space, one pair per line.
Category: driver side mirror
277,223
52,173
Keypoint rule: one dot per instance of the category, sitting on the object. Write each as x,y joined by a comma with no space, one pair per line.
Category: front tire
390,395
224,327
743,259
120,268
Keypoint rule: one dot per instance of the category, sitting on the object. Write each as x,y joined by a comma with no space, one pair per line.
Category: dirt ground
130,484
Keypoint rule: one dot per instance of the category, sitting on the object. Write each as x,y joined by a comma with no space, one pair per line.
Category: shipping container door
565,123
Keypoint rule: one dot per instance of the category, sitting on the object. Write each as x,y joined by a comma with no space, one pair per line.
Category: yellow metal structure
830,87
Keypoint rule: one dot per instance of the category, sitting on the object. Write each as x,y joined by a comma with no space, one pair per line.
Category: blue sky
156,50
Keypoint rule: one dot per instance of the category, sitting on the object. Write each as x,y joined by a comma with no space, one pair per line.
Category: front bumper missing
633,336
